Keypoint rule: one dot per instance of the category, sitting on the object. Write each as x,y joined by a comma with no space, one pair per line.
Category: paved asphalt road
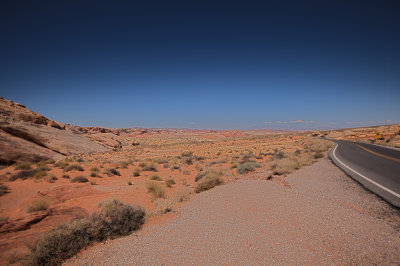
375,167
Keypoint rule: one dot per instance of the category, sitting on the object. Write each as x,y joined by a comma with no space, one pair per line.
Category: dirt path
320,216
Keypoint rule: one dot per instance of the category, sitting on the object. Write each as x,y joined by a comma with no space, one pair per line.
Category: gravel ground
317,216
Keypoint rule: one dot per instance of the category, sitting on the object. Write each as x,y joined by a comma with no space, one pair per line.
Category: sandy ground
318,215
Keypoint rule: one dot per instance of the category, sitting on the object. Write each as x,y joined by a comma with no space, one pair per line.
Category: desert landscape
53,173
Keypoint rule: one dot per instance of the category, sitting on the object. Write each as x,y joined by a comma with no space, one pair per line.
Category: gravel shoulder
317,215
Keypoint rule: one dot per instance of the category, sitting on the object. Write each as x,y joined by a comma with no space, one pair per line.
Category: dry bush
156,189
94,169
51,178
115,219
155,177
150,167
24,174
163,206
285,166
4,189
23,166
62,164
40,175
169,182
41,204
136,172
79,179
246,167
111,172
72,167
208,181
182,195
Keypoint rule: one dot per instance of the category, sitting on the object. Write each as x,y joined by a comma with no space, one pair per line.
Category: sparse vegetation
156,189
136,172
23,166
40,204
169,182
4,190
79,179
113,220
72,167
111,172
208,181
149,168
246,167
155,177
62,164
24,174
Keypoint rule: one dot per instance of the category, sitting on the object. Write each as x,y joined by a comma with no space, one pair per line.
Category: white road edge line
363,176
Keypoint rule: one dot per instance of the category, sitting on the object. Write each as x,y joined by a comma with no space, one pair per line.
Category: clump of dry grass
248,166
169,182
72,167
111,172
79,179
149,168
207,181
136,172
4,190
155,178
23,166
40,204
156,189
113,220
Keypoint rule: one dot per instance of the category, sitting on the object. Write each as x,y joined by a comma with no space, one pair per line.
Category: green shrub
111,172
247,167
73,167
66,240
41,204
156,189
79,179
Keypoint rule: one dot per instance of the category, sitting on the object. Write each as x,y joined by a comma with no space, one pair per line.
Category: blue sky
206,64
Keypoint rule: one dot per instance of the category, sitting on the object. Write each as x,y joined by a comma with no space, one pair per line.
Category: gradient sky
204,64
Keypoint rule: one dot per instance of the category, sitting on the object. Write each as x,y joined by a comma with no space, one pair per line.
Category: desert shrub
209,171
259,157
79,179
4,189
182,195
94,169
24,174
150,168
160,160
285,166
155,177
51,178
175,167
23,166
41,204
278,155
246,167
66,240
93,183
130,183
136,172
73,167
163,206
165,165
94,174
233,165
40,174
208,181
186,172
156,189
169,182
62,164
297,152
122,164
111,172
65,176
318,155
187,154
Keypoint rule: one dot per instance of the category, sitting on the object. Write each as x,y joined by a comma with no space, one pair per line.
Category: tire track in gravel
322,218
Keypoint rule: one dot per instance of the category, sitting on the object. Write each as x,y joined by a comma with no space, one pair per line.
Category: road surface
377,168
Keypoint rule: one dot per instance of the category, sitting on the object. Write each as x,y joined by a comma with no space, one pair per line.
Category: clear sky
204,64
